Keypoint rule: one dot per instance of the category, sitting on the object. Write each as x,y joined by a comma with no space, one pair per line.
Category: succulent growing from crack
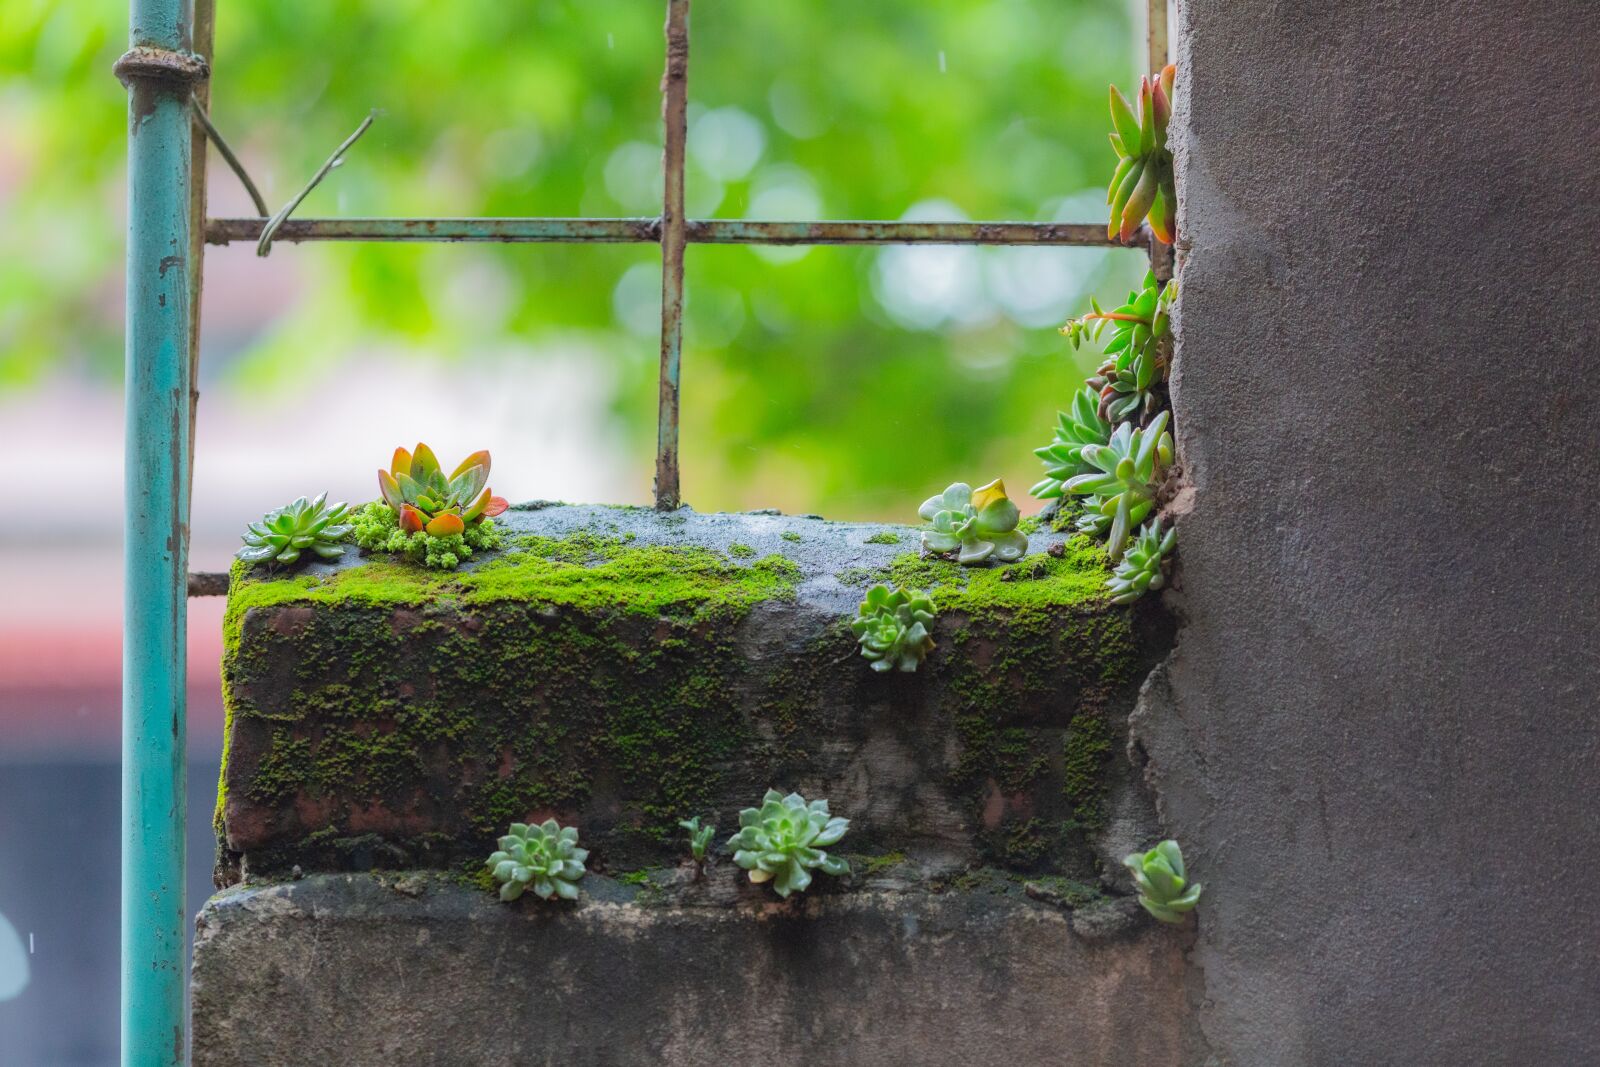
699,837
1163,888
1142,183
1127,472
1063,456
305,525
544,856
977,524
782,841
1135,356
892,627
426,500
1141,568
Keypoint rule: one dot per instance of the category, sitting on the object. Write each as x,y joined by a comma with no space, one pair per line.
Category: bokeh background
851,382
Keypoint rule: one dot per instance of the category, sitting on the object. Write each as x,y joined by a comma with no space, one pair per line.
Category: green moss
739,551
1029,525
887,537
790,535
1085,750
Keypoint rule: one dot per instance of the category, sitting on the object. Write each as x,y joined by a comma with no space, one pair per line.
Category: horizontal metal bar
697,231
208,583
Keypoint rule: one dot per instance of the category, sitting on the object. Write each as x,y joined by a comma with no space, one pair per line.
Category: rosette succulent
1142,183
1063,457
977,524
1163,888
303,526
1127,472
1135,355
892,627
782,841
425,499
1141,568
545,857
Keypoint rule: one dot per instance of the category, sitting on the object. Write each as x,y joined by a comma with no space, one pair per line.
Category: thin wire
228,157
264,246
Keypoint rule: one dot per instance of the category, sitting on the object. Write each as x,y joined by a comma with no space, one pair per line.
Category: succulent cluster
1127,471
782,841
304,526
1135,357
1063,456
545,857
1141,567
426,500
699,837
427,516
892,627
1163,888
1142,184
977,525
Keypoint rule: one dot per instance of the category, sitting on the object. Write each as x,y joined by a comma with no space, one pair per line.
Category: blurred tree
853,381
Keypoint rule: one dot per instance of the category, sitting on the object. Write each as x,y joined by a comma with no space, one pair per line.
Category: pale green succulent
892,627
1063,457
1135,357
699,837
1160,878
977,524
1128,470
1141,568
545,857
303,526
782,841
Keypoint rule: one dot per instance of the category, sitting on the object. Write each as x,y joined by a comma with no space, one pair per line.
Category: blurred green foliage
851,381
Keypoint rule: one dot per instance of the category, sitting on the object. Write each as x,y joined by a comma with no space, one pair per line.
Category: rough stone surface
1378,737
356,969
621,670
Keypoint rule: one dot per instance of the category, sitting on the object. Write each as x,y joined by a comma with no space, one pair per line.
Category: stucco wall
1379,736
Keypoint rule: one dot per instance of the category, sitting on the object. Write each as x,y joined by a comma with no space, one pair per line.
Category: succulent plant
1142,183
782,841
892,626
425,500
699,837
377,529
1063,457
544,856
1141,568
1127,471
1159,876
305,525
977,524
1135,356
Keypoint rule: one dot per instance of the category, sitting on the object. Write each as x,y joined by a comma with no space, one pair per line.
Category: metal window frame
166,64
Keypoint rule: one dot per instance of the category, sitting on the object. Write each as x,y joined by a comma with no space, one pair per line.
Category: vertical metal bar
203,33
674,108
159,72
1161,260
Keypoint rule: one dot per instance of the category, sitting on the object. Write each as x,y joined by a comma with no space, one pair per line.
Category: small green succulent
1141,568
283,534
977,524
782,841
699,837
544,856
1127,471
892,627
377,529
1135,355
1063,457
1159,876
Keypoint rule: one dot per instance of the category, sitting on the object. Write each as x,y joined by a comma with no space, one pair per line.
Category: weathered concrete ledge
414,968
621,670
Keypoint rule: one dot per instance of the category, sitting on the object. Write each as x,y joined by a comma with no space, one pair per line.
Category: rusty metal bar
1156,55
648,231
208,583
674,121
202,33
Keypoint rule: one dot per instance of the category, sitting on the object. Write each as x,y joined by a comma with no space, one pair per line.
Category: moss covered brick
622,670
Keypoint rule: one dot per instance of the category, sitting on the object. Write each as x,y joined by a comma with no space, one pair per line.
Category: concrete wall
1379,738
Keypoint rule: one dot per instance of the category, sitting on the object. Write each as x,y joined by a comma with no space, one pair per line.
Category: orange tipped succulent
424,498
1142,184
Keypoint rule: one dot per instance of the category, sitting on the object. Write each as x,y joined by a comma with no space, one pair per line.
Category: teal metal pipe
159,73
